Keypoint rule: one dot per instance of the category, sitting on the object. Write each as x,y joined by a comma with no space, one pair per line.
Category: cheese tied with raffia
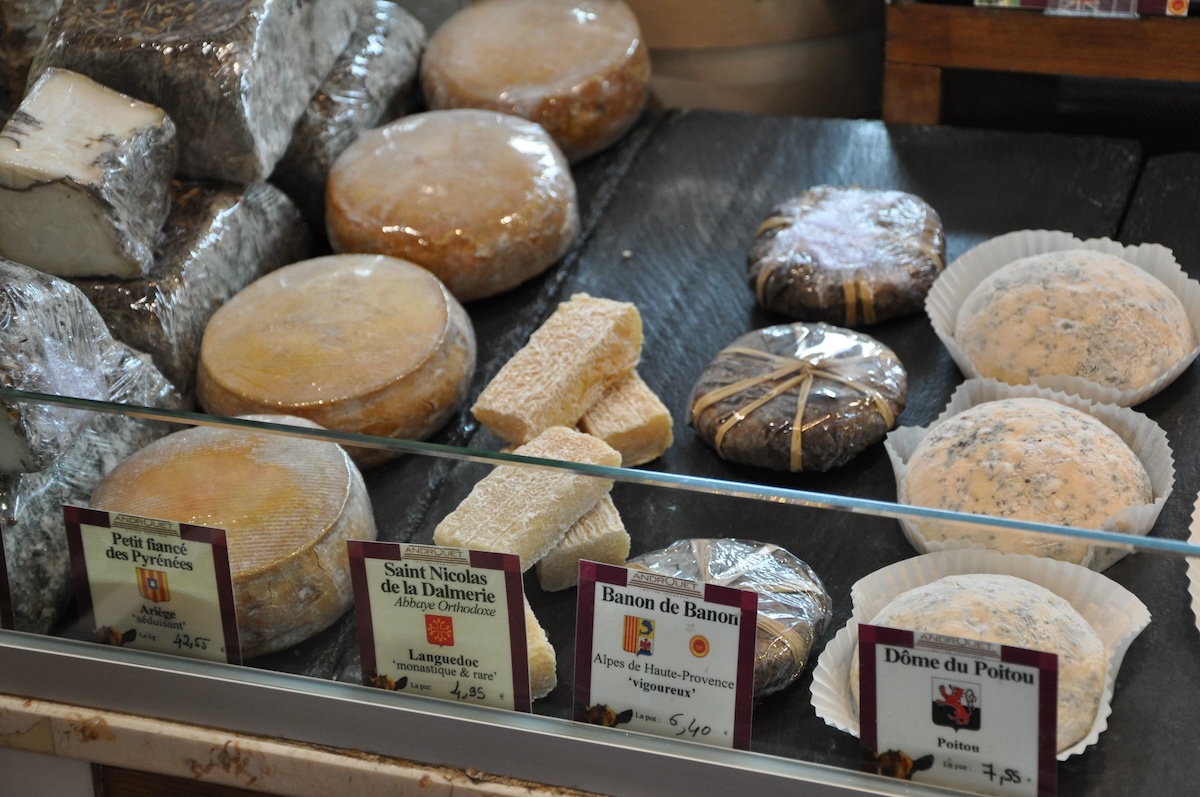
598,536
1007,610
1026,459
287,505
528,510
578,69
84,178
584,348
357,343
1077,313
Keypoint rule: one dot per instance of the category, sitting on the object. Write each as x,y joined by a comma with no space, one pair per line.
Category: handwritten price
1008,776
689,727
185,642
471,693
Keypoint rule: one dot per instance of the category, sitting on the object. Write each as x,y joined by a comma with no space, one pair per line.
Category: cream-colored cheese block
579,69
84,179
542,659
599,536
483,224
287,504
1027,459
631,418
1010,611
583,349
1076,313
527,510
357,343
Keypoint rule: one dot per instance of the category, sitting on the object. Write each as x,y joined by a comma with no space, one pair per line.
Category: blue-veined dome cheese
1029,459
1010,611
1079,313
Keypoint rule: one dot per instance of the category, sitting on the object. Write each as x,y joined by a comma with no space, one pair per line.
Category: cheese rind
584,348
234,75
542,658
528,510
631,418
287,504
1028,459
216,241
1011,611
1079,313
482,224
580,70
323,339
84,175
599,536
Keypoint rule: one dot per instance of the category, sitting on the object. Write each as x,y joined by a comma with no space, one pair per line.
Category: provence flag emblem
439,630
639,636
152,585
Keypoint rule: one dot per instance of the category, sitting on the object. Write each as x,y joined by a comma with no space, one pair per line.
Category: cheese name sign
153,584
664,655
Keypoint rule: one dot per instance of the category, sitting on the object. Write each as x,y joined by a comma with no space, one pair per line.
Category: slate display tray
668,218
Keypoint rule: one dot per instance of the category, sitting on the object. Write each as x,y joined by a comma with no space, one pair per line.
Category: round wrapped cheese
850,256
357,343
1010,611
1079,313
578,68
798,397
1024,458
793,607
483,200
287,505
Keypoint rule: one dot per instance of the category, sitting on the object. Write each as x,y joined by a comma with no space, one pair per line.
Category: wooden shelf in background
923,40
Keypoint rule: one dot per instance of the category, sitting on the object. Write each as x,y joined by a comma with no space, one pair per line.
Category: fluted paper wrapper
1115,613
950,291
1193,563
1146,438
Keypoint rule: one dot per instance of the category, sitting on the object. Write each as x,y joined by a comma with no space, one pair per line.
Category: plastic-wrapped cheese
287,504
525,510
357,343
235,75
484,200
579,69
216,240
371,82
84,178
24,23
583,349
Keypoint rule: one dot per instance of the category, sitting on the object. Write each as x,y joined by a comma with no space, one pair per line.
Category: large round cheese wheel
1077,313
356,343
1010,611
287,504
578,68
1029,459
483,200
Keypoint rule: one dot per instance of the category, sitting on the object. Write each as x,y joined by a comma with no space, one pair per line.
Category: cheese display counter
667,218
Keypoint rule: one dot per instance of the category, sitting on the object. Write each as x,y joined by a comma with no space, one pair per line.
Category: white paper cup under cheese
1115,613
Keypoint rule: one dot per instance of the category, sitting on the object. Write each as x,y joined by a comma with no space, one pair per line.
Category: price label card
665,655
6,607
153,584
442,622
955,712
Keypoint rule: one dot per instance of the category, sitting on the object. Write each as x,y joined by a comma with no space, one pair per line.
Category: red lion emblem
954,700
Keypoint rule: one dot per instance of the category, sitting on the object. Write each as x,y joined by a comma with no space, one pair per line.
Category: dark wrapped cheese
794,608
52,340
371,83
35,545
234,75
216,241
23,25
849,256
798,397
